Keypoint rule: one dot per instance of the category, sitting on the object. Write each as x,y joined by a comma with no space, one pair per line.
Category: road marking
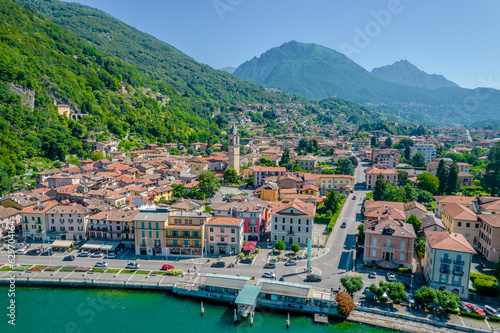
487,324
131,276
462,320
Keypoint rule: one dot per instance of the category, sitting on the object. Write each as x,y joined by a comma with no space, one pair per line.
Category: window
477,225
374,253
299,221
185,233
401,256
375,241
388,242
291,220
196,243
233,239
276,219
298,239
174,242
233,230
298,229
307,229
211,229
157,234
283,227
307,222
403,244
275,237
275,227
222,238
143,234
222,230
459,224
468,225
211,238
186,242
283,238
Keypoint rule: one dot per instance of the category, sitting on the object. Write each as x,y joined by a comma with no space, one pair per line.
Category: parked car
475,309
291,263
47,253
97,255
22,251
33,252
300,257
246,261
282,279
313,278
269,275
353,197
270,265
410,298
69,258
101,264
490,311
463,306
219,264
132,265
83,254
166,267
372,275
110,255
391,276
343,225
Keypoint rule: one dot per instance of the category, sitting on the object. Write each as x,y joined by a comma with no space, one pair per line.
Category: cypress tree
442,174
453,180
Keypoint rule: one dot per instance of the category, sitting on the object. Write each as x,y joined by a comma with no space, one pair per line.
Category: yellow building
198,165
340,183
163,192
247,173
63,109
462,220
309,189
149,232
269,192
185,233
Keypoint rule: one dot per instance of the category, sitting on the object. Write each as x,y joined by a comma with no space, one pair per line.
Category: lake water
102,310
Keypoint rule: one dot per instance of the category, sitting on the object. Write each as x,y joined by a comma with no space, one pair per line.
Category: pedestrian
189,271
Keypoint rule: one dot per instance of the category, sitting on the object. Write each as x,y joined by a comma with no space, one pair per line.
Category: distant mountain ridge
228,69
403,72
315,71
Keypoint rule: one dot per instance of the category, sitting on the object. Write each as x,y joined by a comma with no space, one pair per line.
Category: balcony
446,260
459,273
388,248
184,246
444,271
290,232
183,236
458,262
98,229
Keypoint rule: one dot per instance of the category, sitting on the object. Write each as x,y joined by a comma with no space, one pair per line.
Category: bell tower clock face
231,150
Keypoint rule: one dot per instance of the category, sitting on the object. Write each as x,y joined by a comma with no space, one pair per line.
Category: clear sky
456,38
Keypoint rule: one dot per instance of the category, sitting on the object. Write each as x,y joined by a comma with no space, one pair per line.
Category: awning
63,243
248,295
93,244
110,245
249,246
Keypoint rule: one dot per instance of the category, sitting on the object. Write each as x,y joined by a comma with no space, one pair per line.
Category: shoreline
360,316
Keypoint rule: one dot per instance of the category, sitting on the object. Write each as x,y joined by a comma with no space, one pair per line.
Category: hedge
472,314
494,318
486,285
333,220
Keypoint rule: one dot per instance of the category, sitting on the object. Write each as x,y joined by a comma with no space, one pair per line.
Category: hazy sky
458,39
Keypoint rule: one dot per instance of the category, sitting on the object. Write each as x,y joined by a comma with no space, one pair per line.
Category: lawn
128,271
21,268
142,272
68,268
5,268
112,270
98,270
431,206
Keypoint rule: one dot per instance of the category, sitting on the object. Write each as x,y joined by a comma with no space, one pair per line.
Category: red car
166,267
475,309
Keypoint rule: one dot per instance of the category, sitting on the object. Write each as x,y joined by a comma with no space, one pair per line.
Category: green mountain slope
212,88
403,72
315,71
41,62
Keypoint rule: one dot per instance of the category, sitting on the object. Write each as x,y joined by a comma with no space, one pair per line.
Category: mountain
315,71
403,72
228,69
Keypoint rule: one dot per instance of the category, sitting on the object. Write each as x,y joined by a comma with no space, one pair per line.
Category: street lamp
146,244
411,284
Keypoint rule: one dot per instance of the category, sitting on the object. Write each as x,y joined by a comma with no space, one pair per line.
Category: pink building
389,243
112,225
261,172
224,235
67,222
10,220
390,176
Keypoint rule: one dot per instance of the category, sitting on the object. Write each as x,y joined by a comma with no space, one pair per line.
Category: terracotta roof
225,221
8,212
377,171
459,212
455,199
40,208
382,212
401,229
492,220
288,191
443,240
115,215
268,169
306,208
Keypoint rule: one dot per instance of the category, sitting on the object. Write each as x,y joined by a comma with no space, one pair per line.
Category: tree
354,161
280,245
491,180
409,193
418,160
388,142
380,187
405,142
209,151
447,299
361,233
230,175
428,182
97,156
346,167
402,177
266,162
303,143
426,296
345,304
415,222
327,171
442,174
453,180
420,246
179,191
190,151
424,196
407,153
209,183
332,201
251,180
374,142
396,291
312,146
285,158
352,284
295,247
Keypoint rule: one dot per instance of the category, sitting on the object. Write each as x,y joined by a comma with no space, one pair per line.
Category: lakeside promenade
367,312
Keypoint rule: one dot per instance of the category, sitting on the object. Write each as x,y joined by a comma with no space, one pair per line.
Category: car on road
33,252
463,306
372,275
97,255
291,263
475,309
111,255
166,267
47,253
22,251
246,261
344,224
101,264
313,278
490,311
69,258
270,265
409,298
132,265
282,279
300,257
221,264
391,277
354,197
83,254
269,275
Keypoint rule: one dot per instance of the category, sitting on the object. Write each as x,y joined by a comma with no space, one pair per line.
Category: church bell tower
234,149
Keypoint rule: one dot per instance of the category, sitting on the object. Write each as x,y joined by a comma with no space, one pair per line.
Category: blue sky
458,39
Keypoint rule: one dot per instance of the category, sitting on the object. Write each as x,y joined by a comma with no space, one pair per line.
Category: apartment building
428,150
224,235
34,220
292,222
67,222
185,233
149,232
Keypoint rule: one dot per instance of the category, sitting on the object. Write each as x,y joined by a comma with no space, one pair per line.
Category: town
404,218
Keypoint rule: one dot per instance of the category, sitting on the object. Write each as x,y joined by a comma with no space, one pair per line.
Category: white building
428,150
448,258
292,222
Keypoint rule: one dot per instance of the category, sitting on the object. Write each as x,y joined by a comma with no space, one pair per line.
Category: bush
486,285
174,272
345,303
406,270
383,298
494,318
472,314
